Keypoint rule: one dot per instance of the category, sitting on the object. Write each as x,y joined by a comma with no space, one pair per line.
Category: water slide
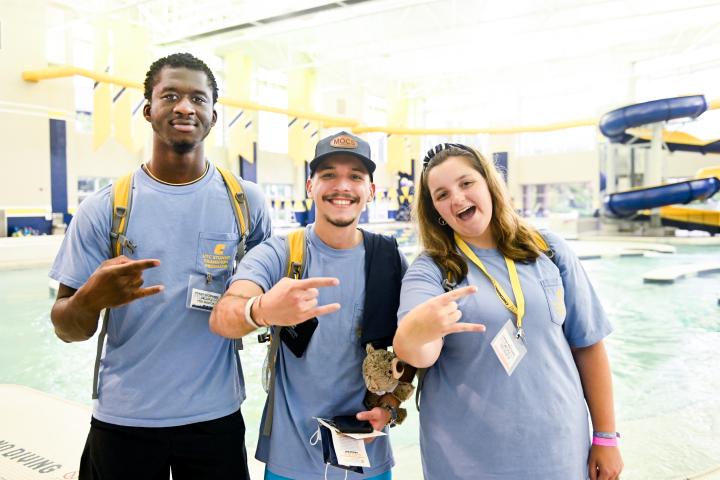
622,126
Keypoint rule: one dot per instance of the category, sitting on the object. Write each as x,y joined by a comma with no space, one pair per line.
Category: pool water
665,353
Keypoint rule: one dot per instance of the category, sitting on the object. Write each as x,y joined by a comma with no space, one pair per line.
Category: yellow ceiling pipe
326,120
69,71
473,131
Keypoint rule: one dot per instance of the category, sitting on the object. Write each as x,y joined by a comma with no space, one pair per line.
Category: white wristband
248,313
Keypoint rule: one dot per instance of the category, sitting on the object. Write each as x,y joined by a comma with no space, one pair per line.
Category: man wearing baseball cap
343,298
344,143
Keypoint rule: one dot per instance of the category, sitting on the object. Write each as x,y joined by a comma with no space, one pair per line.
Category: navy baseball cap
343,142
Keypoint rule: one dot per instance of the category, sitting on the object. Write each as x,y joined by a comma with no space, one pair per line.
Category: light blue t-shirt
475,421
327,380
161,365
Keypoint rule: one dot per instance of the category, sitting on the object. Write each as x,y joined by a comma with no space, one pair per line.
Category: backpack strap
240,208
121,198
98,352
541,243
296,245
448,284
121,195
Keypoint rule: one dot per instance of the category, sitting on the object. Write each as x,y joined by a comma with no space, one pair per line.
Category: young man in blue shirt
168,390
325,380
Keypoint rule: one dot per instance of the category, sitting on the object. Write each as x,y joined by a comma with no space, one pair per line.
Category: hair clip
443,146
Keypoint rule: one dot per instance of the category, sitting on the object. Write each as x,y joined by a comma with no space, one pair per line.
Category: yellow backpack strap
240,208
121,197
540,241
238,200
295,242
296,253
121,203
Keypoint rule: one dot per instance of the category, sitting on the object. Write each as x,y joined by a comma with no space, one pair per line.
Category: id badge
346,451
509,349
203,294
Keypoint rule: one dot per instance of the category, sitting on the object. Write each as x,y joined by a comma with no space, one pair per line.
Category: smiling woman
494,424
461,196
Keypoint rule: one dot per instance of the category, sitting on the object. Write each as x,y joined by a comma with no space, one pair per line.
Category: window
280,197
272,127
89,185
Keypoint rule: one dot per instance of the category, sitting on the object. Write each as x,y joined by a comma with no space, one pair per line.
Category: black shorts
206,450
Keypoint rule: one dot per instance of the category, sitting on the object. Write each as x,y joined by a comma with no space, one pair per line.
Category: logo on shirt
216,259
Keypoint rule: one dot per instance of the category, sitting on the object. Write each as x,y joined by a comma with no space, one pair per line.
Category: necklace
147,170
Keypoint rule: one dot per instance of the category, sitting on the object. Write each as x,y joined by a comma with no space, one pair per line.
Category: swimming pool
664,354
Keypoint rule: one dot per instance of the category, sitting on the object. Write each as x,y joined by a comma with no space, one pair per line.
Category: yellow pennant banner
302,133
242,124
117,111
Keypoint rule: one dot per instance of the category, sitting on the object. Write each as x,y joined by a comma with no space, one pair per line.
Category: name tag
508,348
348,448
203,299
350,451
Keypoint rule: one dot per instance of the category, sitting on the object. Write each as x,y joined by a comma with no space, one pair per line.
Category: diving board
676,272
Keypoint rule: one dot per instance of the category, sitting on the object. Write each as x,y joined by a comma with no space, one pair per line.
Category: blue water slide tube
625,204
613,124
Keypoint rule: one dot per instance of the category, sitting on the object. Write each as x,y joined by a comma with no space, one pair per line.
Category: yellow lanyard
518,310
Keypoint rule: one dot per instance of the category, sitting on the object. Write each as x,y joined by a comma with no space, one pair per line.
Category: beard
339,222
182,148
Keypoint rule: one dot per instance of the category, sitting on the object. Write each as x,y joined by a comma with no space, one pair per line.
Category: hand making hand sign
425,325
291,301
119,281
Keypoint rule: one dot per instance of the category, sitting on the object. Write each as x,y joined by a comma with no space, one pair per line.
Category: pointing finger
458,293
146,292
137,265
318,282
466,327
324,310
119,260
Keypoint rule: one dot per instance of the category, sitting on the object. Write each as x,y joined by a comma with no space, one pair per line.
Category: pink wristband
605,442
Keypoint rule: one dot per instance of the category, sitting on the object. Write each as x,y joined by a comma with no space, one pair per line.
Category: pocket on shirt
555,296
216,254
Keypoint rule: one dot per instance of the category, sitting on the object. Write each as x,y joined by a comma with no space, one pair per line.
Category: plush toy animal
382,371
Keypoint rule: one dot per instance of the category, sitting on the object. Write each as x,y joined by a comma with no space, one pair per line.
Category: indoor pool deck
41,429
45,434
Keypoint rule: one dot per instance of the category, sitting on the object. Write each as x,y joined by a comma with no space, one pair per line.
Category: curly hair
178,60
514,237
